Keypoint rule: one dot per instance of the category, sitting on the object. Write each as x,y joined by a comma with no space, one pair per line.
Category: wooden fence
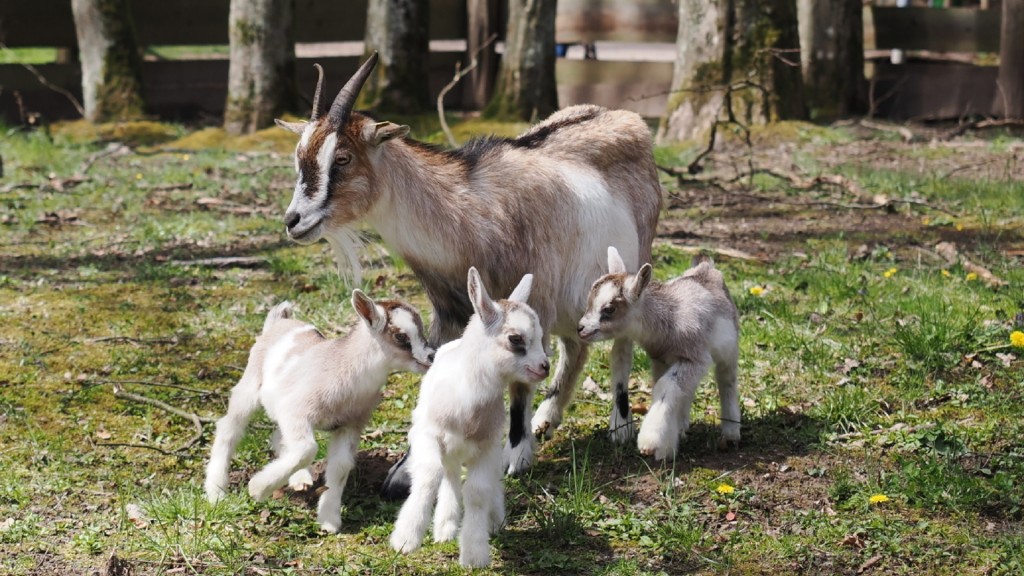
943,76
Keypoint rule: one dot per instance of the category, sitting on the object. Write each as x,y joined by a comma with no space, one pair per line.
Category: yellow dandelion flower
946,273
725,489
959,227
971,276
926,221
1017,339
185,157
890,272
878,498
756,290
138,175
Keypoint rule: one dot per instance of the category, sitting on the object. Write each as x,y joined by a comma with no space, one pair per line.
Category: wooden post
1010,95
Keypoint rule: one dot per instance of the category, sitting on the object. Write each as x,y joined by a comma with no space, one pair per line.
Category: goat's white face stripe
324,160
605,294
402,319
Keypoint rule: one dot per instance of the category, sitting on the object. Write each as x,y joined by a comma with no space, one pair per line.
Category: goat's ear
368,310
381,132
615,263
635,285
296,127
522,292
480,299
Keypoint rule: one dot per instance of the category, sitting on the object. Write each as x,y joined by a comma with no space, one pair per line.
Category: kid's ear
615,263
368,310
522,292
381,132
481,301
296,127
636,284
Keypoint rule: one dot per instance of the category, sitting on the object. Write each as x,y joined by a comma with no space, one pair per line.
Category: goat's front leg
572,355
519,449
726,364
341,458
298,449
449,502
243,403
302,479
620,423
483,481
669,415
426,471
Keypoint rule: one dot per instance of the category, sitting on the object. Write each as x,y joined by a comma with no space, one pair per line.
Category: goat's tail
701,258
279,312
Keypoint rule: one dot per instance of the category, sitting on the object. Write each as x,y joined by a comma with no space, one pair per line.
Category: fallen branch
137,341
196,421
949,251
459,73
962,129
224,262
96,381
904,132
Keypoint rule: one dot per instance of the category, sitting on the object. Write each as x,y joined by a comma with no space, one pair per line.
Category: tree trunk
526,82
736,60
111,63
399,31
1010,96
832,57
261,73
482,23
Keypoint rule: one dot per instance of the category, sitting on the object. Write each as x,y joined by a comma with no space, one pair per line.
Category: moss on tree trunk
525,89
398,31
735,60
111,63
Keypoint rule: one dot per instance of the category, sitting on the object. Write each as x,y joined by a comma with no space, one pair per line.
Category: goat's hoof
475,558
446,532
330,526
728,443
404,543
301,480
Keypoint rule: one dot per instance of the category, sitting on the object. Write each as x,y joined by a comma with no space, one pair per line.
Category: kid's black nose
430,356
291,219
546,366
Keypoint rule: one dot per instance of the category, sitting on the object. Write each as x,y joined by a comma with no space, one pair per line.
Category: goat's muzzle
291,219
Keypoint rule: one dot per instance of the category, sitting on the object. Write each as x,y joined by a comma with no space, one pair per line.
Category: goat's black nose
430,356
291,219
545,366
580,328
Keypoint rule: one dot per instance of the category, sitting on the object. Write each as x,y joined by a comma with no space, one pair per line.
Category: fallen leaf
639,408
102,434
871,562
730,516
853,541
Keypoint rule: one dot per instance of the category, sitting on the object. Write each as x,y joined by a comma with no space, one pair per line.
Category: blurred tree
261,73
1010,96
735,60
526,80
111,62
399,31
832,56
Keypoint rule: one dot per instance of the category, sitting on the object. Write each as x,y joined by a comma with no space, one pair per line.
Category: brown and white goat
547,202
306,382
685,325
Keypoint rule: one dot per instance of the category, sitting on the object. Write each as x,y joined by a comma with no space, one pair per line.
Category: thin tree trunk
736,60
111,64
261,74
399,31
1010,96
482,23
832,56
526,82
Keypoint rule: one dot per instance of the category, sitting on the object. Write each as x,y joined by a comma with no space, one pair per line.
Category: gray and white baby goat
458,421
684,325
305,382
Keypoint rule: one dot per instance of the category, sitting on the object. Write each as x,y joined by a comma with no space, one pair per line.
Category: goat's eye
402,339
607,312
516,340
342,159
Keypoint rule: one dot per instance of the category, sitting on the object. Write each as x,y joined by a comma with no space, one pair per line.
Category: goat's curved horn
316,95
342,105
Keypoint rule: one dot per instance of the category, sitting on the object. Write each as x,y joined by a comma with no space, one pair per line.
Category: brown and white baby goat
305,382
685,325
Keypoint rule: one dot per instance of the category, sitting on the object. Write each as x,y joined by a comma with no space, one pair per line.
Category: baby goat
305,382
685,325
458,421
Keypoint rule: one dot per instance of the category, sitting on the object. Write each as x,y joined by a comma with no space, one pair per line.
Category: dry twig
459,73
196,421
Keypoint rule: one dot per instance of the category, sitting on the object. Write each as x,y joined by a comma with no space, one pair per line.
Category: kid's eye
516,340
606,312
402,339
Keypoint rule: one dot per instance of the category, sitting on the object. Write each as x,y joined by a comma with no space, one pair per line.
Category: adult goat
548,202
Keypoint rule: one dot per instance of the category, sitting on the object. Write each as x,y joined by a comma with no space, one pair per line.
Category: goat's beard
346,244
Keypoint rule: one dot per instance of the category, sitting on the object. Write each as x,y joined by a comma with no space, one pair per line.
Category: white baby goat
458,421
684,325
305,382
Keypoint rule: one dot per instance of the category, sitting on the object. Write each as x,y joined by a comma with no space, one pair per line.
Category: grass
864,371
